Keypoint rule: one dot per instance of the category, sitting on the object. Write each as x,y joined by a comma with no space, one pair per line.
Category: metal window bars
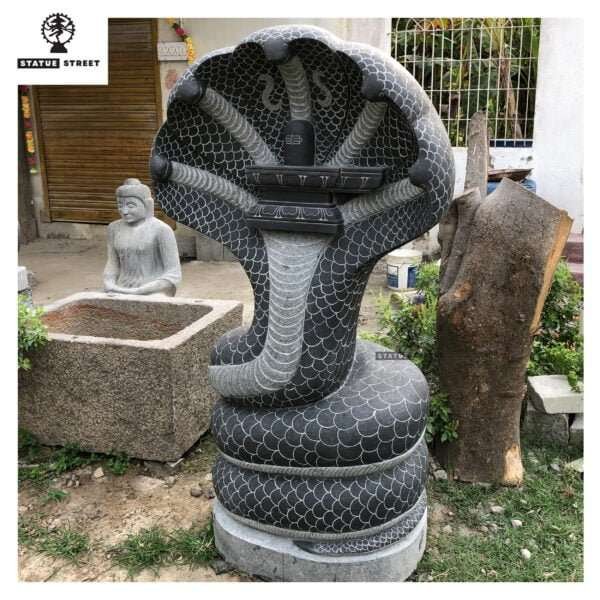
469,64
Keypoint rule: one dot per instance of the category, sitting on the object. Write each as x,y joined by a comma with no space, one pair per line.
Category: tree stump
498,258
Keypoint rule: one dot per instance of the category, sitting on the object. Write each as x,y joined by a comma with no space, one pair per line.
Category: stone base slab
552,394
576,431
280,559
546,428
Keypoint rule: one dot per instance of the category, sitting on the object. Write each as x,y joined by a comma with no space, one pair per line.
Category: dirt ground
111,507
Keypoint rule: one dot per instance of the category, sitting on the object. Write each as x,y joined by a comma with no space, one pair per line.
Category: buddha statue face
134,201
131,209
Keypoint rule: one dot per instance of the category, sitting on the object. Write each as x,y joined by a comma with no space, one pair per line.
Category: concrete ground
62,267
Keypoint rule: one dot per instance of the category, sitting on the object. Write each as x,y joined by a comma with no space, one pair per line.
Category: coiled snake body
319,441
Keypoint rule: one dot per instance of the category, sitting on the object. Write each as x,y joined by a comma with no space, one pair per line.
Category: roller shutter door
93,137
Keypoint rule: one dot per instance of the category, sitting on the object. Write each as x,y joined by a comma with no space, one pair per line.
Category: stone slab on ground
552,394
280,559
546,427
576,431
23,287
125,374
22,279
576,465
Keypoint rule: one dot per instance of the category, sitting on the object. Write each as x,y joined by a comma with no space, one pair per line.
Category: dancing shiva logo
58,30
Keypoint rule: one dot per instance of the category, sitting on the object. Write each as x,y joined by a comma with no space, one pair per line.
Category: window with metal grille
466,65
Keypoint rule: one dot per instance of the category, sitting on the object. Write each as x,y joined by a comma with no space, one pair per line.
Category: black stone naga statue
309,158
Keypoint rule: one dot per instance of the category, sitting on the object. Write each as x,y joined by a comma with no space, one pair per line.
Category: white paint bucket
402,268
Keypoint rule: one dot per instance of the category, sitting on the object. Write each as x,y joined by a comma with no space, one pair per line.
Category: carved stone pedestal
281,559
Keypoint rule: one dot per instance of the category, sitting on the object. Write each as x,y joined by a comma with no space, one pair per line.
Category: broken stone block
552,394
576,431
552,428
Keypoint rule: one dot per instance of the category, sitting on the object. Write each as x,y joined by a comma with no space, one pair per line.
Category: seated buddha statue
142,251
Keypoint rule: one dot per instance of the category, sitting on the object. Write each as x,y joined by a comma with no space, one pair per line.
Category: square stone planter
125,373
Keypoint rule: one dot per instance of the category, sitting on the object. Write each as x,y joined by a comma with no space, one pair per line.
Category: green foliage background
32,332
457,60
411,330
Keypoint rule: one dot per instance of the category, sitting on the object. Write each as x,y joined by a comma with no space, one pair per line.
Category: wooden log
500,255
478,154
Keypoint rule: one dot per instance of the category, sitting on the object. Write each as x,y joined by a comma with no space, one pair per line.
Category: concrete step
552,394
573,251
576,431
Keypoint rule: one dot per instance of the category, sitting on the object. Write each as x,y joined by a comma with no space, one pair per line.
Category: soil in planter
101,321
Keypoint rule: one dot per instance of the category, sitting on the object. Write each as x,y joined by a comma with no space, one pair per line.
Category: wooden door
94,137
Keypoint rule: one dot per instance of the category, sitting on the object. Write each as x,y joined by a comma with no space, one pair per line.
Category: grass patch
61,542
52,462
194,546
148,549
154,547
55,495
118,465
550,506
29,447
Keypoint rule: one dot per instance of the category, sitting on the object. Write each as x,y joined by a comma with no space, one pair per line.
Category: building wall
558,128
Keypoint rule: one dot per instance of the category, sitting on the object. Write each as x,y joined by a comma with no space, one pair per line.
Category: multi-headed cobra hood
333,144
298,130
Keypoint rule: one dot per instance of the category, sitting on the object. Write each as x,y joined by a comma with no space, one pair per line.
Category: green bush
32,332
558,343
411,330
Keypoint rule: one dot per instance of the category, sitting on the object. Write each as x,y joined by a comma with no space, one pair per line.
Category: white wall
558,125
210,34
501,158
